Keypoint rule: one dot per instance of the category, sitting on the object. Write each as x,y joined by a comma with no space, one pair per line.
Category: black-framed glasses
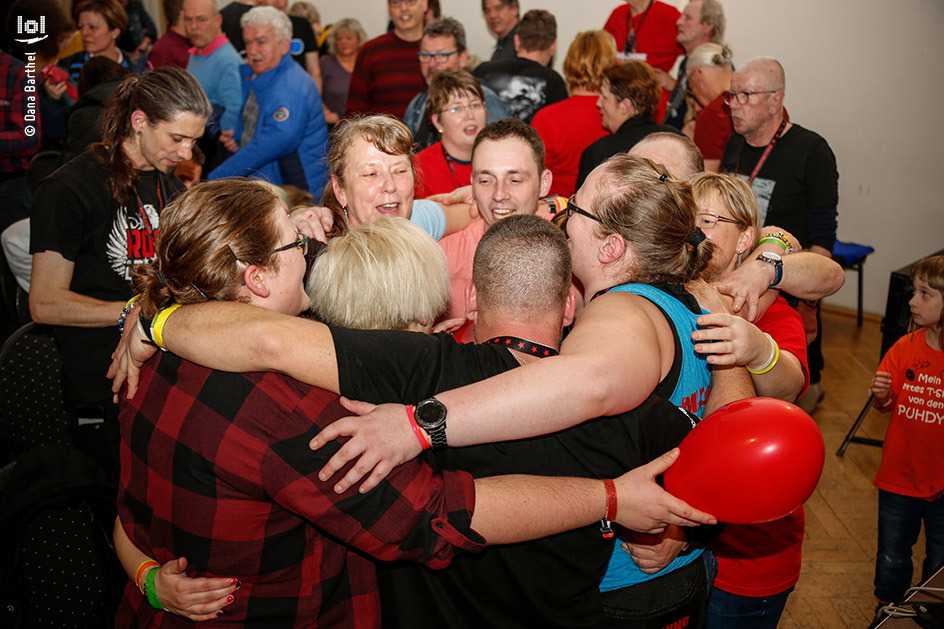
440,57
397,3
301,243
707,221
744,97
572,208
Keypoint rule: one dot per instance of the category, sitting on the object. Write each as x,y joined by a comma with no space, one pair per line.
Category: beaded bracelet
778,238
125,312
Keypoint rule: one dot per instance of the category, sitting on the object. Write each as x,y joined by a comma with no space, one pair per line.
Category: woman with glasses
455,107
344,40
226,240
758,565
571,125
709,69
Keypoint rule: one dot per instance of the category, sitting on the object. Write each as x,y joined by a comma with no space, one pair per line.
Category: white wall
864,75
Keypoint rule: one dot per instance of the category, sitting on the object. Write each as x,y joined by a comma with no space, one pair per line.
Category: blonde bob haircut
385,275
589,55
736,197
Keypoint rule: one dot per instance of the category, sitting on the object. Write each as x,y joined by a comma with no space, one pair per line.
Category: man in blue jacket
281,135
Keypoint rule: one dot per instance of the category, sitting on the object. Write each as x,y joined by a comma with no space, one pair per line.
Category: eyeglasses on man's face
744,98
398,3
439,57
301,243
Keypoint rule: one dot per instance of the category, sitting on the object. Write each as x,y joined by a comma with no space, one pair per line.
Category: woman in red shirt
571,125
455,106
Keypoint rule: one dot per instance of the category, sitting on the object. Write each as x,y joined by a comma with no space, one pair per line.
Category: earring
439,130
738,251
139,133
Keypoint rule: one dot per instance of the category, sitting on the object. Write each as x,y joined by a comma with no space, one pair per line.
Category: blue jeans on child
899,522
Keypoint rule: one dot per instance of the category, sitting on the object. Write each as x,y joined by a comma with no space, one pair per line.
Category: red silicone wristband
419,432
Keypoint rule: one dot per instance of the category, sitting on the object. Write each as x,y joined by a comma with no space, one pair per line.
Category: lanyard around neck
763,158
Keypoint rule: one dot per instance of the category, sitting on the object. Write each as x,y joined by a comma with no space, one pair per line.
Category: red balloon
751,461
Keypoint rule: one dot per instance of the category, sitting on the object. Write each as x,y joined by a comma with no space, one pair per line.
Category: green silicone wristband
151,590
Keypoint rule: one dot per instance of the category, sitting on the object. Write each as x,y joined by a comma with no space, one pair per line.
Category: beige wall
865,77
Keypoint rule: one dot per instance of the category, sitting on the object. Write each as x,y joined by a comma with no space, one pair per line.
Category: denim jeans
733,611
899,521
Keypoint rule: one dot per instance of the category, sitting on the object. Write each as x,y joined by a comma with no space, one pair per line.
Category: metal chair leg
859,313
851,438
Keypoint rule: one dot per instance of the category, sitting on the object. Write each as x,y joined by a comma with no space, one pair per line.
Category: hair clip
205,298
161,278
696,237
663,177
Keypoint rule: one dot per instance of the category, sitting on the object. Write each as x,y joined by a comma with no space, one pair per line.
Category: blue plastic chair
851,255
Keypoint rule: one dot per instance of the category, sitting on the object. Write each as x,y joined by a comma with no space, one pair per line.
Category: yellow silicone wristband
772,362
157,325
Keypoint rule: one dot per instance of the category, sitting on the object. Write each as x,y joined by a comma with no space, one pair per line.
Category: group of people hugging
239,494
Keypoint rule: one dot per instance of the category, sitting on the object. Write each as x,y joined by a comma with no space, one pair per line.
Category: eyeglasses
707,221
397,3
458,110
572,208
440,57
301,243
744,97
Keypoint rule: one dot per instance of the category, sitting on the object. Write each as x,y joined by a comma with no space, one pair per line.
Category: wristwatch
777,262
430,415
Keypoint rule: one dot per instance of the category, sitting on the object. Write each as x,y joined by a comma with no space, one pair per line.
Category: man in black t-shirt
526,83
95,218
518,314
792,172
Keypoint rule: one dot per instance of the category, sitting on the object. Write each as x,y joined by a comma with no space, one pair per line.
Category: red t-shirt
764,559
911,456
567,128
713,128
433,174
656,31
655,38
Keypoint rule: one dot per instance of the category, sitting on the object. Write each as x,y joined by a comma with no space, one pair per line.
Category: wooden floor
835,588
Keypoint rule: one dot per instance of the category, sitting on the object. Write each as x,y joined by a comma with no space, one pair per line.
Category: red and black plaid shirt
16,145
216,467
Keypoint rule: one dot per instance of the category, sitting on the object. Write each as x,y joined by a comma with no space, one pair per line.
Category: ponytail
656,214
162,95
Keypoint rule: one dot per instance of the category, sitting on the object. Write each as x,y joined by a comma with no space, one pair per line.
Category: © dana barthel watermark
30,32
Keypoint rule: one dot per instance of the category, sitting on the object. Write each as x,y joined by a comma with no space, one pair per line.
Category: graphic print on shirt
922,394
523,95
763,190
129,242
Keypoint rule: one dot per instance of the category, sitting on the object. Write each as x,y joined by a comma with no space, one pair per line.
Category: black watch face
430,413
